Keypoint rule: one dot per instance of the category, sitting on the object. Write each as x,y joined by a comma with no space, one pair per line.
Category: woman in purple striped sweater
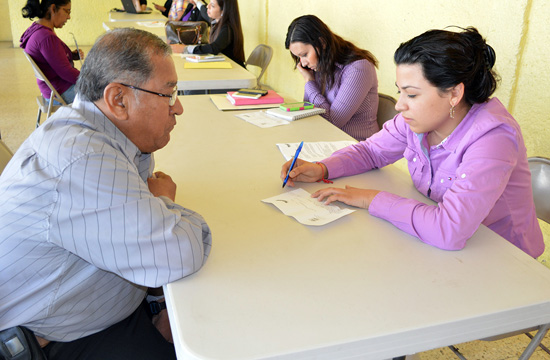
340,77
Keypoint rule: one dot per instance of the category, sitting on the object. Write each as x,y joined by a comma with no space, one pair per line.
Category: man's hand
162,323
162,185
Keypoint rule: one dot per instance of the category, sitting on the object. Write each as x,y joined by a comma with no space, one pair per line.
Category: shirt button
414,159
463,176
442,181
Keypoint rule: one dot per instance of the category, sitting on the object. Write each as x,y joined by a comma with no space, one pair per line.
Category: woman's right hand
308,74
304,171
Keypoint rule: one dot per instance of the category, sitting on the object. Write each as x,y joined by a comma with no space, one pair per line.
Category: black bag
19,343
186,32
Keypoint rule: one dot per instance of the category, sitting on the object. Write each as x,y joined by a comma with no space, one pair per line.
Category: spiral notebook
294,115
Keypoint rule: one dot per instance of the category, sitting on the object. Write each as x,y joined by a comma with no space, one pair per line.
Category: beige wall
5,28
86,20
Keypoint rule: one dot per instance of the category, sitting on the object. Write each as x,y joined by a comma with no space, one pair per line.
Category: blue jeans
68,96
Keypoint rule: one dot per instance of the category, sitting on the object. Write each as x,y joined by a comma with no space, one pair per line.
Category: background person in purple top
340,77
464,150
52,56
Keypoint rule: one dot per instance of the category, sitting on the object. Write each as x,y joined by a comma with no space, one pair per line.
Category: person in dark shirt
226,34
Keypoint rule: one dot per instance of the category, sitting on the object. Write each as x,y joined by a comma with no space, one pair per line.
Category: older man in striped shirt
87,227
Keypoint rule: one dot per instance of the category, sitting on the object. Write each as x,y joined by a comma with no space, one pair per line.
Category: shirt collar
451,142
96,120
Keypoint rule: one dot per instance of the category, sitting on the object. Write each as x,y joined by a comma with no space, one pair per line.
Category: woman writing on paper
226,35
52,56
340,77
464,150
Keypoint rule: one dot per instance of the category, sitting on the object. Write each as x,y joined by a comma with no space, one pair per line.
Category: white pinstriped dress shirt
82,237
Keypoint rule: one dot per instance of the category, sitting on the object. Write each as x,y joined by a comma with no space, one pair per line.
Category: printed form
314,151
307,210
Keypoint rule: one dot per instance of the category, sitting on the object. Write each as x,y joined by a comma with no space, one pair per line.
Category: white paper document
151,24
315,151
259,118
307,210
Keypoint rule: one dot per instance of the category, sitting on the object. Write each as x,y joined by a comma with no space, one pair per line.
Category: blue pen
293,162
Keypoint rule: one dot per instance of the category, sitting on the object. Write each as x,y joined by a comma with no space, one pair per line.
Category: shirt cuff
395,209
167,201
189,49
335,167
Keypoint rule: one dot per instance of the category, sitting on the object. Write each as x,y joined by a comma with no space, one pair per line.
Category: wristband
323,179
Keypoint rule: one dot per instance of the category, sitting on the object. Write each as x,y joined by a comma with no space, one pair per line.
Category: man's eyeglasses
173,97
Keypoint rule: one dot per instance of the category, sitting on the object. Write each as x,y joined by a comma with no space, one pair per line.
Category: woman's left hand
350,195
78,54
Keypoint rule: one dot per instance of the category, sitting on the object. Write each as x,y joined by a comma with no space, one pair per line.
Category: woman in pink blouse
340,77
50,53
464,150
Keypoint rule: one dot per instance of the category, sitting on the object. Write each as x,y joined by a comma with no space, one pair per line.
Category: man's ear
115,97
457,93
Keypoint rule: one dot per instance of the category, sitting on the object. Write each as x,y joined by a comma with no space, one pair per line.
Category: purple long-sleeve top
52,56
478,175
352,102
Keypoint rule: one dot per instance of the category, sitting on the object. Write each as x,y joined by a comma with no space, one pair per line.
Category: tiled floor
18,111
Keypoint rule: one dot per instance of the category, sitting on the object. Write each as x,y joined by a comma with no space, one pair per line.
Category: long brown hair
329,47
232,18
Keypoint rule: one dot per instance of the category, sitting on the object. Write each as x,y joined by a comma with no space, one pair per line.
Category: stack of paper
205,58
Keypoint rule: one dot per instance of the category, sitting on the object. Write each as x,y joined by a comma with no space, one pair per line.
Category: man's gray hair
120,55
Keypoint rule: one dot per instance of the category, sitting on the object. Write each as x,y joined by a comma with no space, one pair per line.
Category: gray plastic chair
43,107
386,109
540,180
261,57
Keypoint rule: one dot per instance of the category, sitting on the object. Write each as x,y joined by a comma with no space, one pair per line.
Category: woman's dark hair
39,9
450,58
329,47
232,18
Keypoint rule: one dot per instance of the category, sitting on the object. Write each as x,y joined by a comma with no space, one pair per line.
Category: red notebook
270,98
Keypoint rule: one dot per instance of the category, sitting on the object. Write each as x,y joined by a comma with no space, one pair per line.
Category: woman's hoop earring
452,112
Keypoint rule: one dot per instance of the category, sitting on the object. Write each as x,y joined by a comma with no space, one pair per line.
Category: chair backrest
386,109
40,76
261,57
540,180
5,155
